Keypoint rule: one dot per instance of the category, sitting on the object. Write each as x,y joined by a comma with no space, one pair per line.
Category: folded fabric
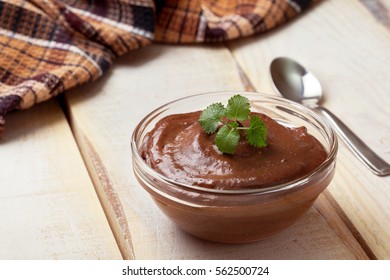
49,46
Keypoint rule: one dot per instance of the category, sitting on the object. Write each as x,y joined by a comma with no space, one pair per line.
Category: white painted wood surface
48,205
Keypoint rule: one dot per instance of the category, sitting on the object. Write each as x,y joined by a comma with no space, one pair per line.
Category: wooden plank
348,49
48,206
106,113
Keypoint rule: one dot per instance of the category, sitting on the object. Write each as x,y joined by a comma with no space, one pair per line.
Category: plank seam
104,187
348,223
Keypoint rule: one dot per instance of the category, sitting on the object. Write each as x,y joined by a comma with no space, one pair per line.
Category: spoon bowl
294,82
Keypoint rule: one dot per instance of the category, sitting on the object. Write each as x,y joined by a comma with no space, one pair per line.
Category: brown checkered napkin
49,46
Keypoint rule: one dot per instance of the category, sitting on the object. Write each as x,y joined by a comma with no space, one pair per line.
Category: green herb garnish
229,121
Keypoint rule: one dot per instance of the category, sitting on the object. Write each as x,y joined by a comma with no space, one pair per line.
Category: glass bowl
237,216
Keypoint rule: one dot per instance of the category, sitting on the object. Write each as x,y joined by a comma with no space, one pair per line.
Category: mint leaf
238,108
233,119
211,116
256,135
227,139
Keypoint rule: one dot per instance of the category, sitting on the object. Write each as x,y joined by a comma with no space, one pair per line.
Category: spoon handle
377,165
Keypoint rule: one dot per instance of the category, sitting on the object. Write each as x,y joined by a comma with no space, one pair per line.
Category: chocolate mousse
178,148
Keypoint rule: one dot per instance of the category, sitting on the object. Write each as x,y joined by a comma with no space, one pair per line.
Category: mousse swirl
178,148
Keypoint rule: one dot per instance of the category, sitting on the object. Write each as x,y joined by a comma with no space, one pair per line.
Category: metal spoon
295,83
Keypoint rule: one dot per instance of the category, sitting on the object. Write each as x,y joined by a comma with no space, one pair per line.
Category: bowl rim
330,132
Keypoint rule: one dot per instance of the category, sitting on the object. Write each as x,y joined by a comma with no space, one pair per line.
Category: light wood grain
348,50
107,194
380,9
49,209
107,112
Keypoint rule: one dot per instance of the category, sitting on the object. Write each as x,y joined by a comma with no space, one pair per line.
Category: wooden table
67,190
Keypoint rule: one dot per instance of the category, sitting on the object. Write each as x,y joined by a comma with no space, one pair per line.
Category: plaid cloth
49,46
